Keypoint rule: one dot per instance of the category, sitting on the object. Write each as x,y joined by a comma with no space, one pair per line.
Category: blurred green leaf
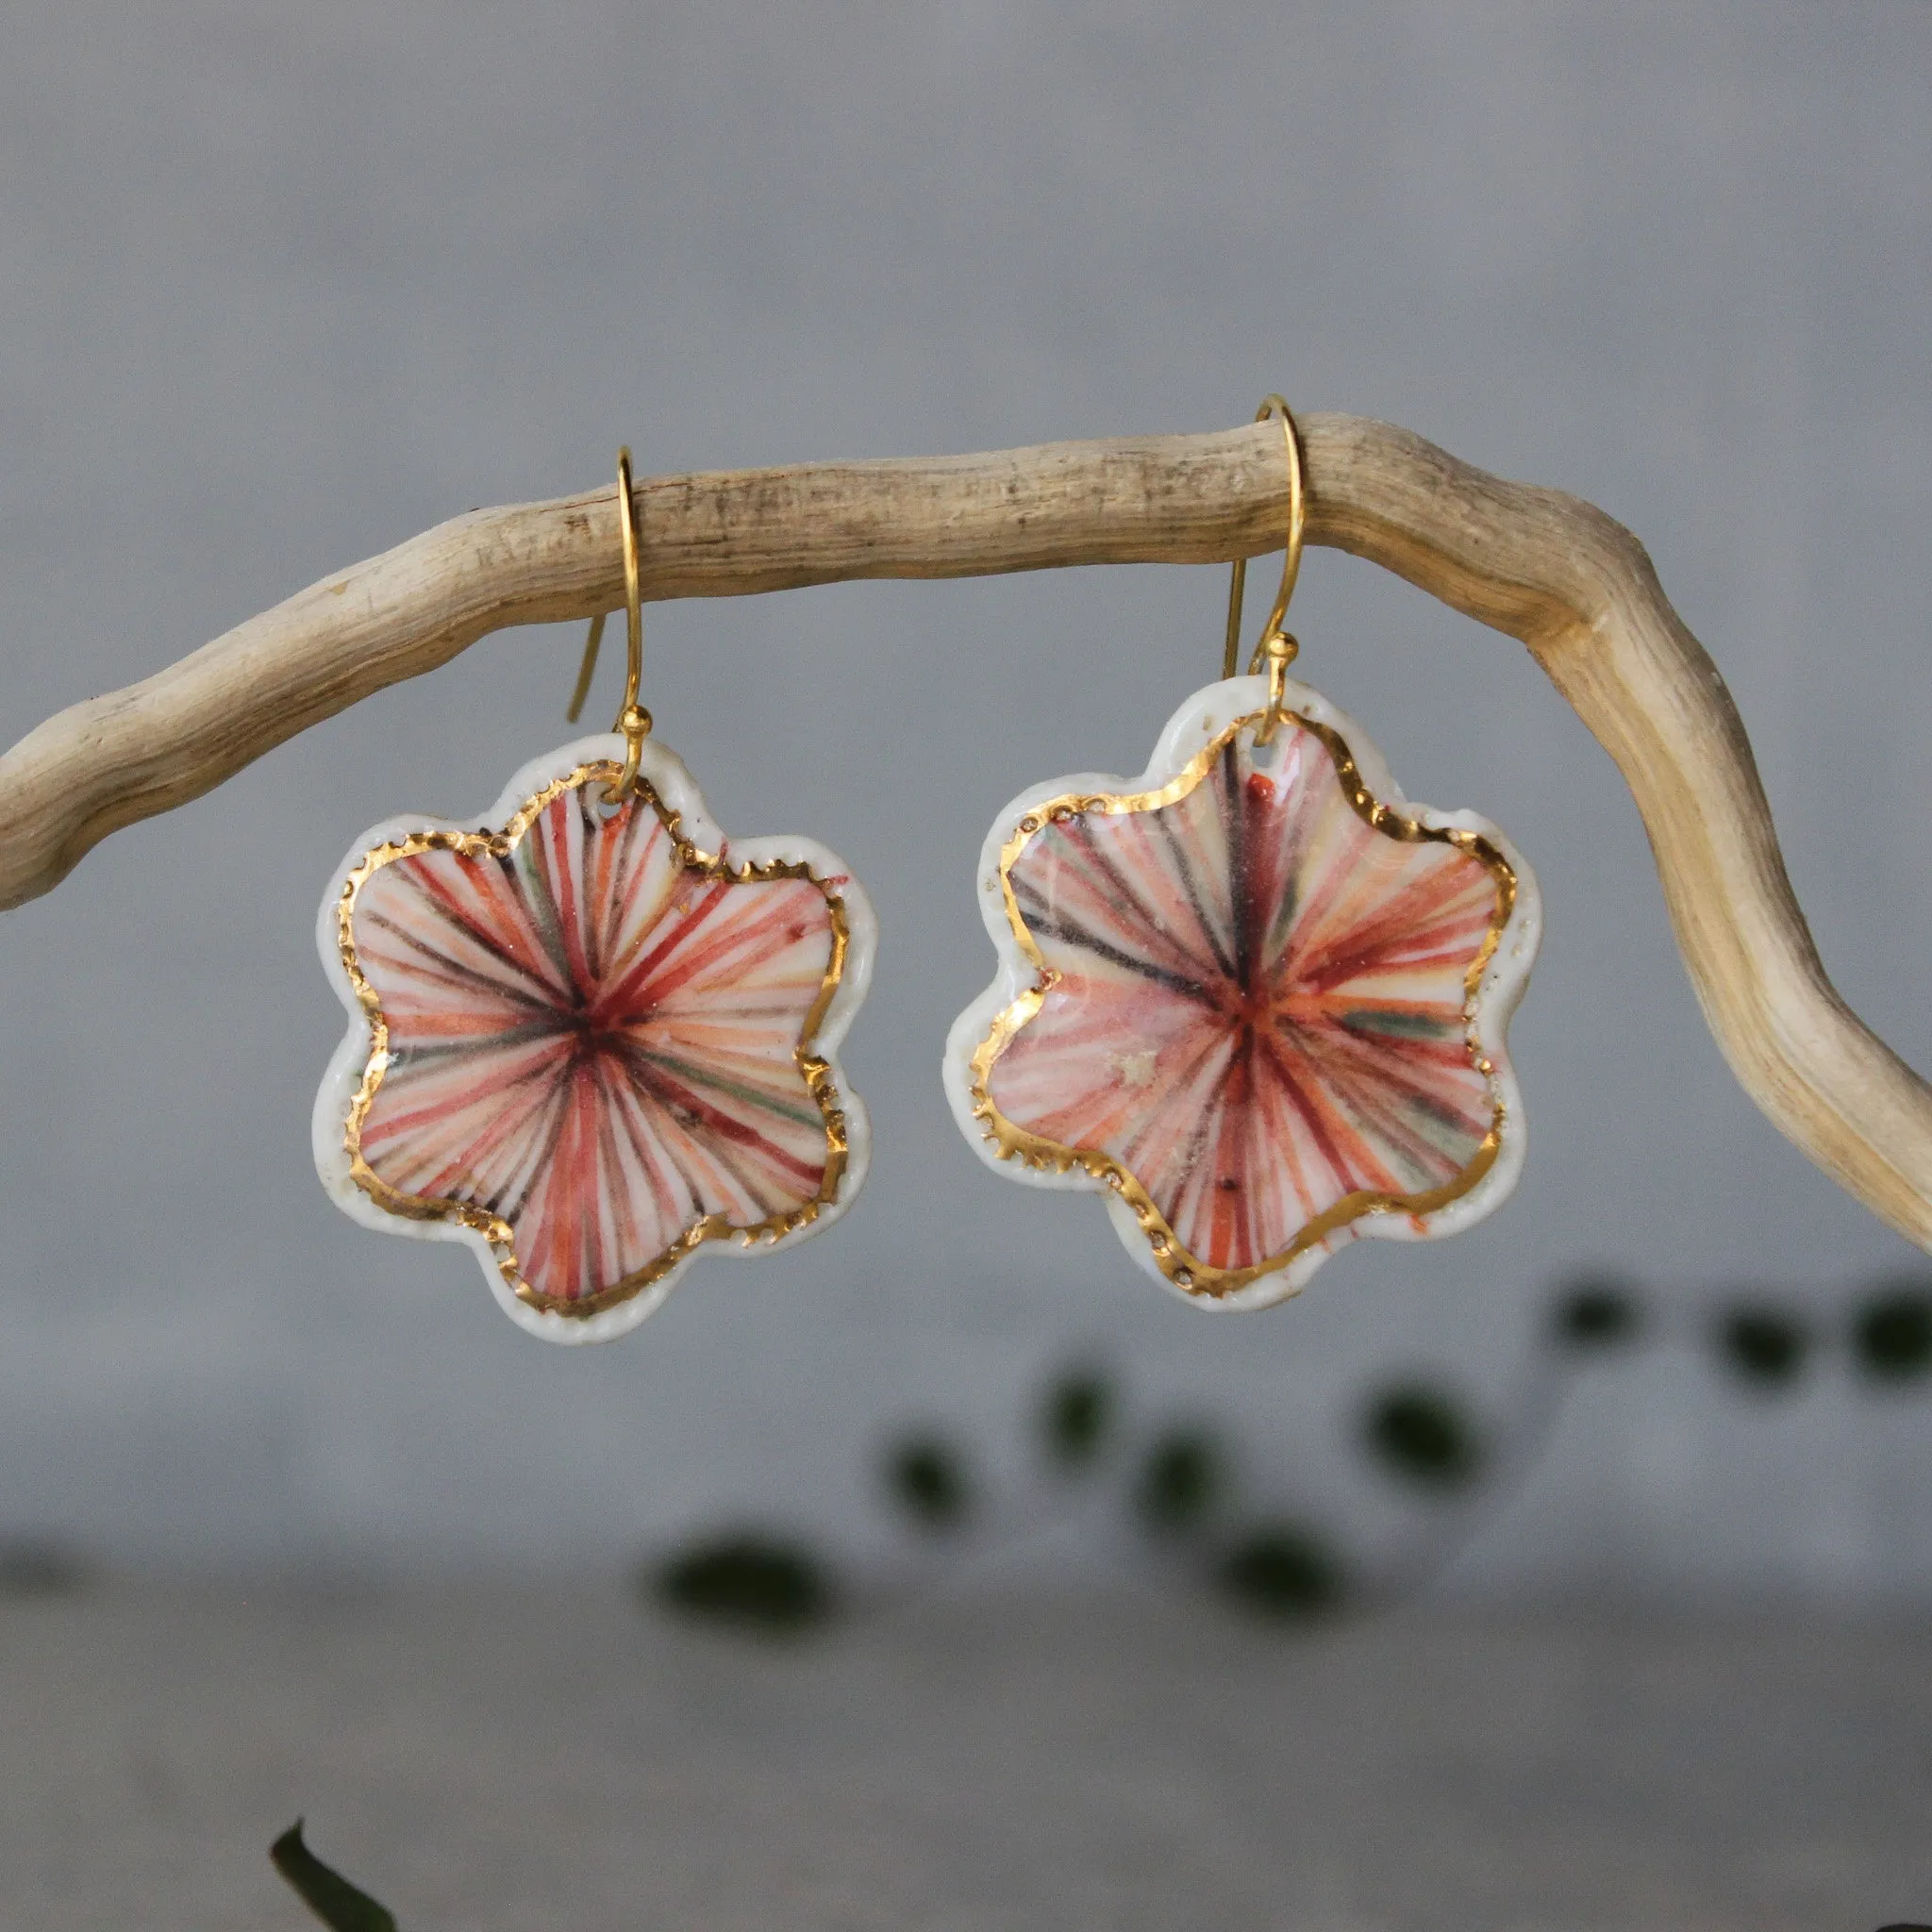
1597,1313
1077,1414
1423,1434
325,1893
1892,1335
1763,1346
928,1482
1284,1572
1180,1482
769,1588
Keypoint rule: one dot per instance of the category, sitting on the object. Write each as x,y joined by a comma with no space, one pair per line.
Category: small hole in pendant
1265,757
605,809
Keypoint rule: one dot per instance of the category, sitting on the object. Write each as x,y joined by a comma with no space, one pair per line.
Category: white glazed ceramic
1117,964
711,898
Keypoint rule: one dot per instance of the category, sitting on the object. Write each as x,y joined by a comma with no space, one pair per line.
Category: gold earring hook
633,720
1277,648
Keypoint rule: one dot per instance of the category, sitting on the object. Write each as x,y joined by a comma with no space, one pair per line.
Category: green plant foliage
1763,1346
1284,1572
1597,1314
927,1480
1181,1481
326,1893
754,1584
1075,1418
1422,1435
1892,1335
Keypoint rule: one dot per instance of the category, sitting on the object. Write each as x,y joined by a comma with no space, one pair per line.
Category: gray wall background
281,286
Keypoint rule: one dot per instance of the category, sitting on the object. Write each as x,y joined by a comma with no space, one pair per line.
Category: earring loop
1273,637
1278,650
633,720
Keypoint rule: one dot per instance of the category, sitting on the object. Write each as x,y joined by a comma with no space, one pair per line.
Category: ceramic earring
1253,998
589,1035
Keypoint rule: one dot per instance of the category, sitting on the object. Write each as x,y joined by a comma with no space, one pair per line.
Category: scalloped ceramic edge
1197,723
666,774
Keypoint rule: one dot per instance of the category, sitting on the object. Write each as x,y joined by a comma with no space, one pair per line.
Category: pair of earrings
1252,998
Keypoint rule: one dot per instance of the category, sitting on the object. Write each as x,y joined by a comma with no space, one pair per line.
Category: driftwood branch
1573,585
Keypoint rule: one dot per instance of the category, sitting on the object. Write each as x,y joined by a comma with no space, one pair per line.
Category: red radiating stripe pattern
1255,1001
593,1040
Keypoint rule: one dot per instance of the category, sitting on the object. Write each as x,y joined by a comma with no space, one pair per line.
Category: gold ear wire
587,669
1276,648
633,720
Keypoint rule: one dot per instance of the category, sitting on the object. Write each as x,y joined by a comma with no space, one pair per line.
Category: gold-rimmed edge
815,1069
1185,1271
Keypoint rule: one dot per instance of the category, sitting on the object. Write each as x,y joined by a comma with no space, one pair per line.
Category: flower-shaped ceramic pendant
1252,998
592,1042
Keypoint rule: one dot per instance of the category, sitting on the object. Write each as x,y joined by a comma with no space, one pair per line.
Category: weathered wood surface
1573,585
